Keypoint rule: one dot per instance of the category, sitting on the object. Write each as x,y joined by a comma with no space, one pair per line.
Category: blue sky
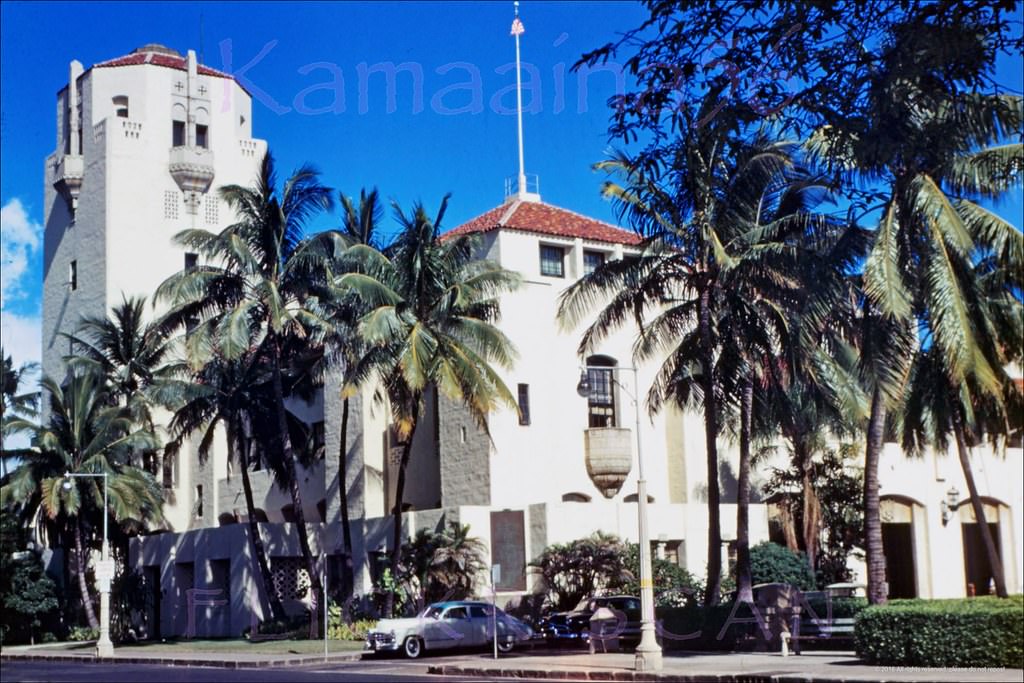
417,151
410,155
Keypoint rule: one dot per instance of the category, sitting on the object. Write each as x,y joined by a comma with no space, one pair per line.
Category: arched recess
226,518
632,498
977,570
575,497
202,127
288,513
905,545
260,515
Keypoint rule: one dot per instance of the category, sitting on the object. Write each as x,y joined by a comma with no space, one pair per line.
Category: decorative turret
70,166
191,162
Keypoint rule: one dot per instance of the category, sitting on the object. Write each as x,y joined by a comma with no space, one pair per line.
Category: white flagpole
519,107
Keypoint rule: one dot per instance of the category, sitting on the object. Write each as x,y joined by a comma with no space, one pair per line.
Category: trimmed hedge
975,632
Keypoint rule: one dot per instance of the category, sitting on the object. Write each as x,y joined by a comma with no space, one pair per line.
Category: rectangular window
191,260
121,106
73,275
199,500
202,136
592,260
178,134
601,401
170,470
524,404
552,261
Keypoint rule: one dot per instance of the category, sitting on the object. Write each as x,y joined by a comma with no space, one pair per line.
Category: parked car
446,625
574,626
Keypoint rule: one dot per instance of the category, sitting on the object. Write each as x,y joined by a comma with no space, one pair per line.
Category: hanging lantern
609,457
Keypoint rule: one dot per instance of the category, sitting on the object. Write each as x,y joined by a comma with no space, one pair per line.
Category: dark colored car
574,626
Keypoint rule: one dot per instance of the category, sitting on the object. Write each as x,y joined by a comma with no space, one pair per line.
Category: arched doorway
900,540
978,575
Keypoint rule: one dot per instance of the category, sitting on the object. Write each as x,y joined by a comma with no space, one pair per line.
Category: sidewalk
138,655
679,667
717,667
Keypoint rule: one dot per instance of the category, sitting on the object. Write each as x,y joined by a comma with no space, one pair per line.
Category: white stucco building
142,143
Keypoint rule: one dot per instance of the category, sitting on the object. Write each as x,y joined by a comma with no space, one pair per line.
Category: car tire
506,646
412,647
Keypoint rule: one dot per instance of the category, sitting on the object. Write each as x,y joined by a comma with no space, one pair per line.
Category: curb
303,660
585,675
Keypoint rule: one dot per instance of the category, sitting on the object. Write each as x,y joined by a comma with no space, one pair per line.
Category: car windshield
431,612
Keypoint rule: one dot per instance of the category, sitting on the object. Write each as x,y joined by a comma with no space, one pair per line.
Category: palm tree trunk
714,580
396,512
979,509
878,591
744,582
714,585
255,539
346,525
291,461
83,587
811,512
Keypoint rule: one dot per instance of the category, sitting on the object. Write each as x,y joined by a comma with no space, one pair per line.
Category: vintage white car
446,625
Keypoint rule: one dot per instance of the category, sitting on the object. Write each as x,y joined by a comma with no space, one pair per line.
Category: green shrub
774,563
673,585
973,632
80,633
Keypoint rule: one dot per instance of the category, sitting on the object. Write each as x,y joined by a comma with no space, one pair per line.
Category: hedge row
973,632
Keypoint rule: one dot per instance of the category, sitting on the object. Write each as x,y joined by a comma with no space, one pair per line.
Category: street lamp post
648,652
104,572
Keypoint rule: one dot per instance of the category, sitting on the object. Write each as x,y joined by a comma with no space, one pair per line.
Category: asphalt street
378,670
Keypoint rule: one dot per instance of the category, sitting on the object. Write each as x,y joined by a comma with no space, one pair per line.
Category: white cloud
19,239
22,337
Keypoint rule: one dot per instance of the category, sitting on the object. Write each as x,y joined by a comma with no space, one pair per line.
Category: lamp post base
648,652
104,649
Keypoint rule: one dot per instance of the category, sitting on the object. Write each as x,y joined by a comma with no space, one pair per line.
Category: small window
632,498
170,470
121,106
552,261
73,275
199,500
592,260
178,134
191,260
462,434
524,404
202,136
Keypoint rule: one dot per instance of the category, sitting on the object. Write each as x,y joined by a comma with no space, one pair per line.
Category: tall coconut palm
725,221
432,304
85,434
230,394
936,408
935,145
360,226
248,297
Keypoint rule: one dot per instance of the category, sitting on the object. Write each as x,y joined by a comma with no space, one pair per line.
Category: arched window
226,518
260,515
288,513
202,128
179,132
601,400
121,106
575,498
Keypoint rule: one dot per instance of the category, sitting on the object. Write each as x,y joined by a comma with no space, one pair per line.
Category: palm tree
249,296
432,305
725,221
360,226
85,433
233,394
936,145
16,406
457,561
935,407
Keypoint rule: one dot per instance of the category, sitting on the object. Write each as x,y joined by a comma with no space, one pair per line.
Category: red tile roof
160,59
545,219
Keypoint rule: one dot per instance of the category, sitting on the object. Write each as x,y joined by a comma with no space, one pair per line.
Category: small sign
495,574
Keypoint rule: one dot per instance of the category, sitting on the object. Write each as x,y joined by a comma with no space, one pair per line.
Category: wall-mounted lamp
949,505
583,387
